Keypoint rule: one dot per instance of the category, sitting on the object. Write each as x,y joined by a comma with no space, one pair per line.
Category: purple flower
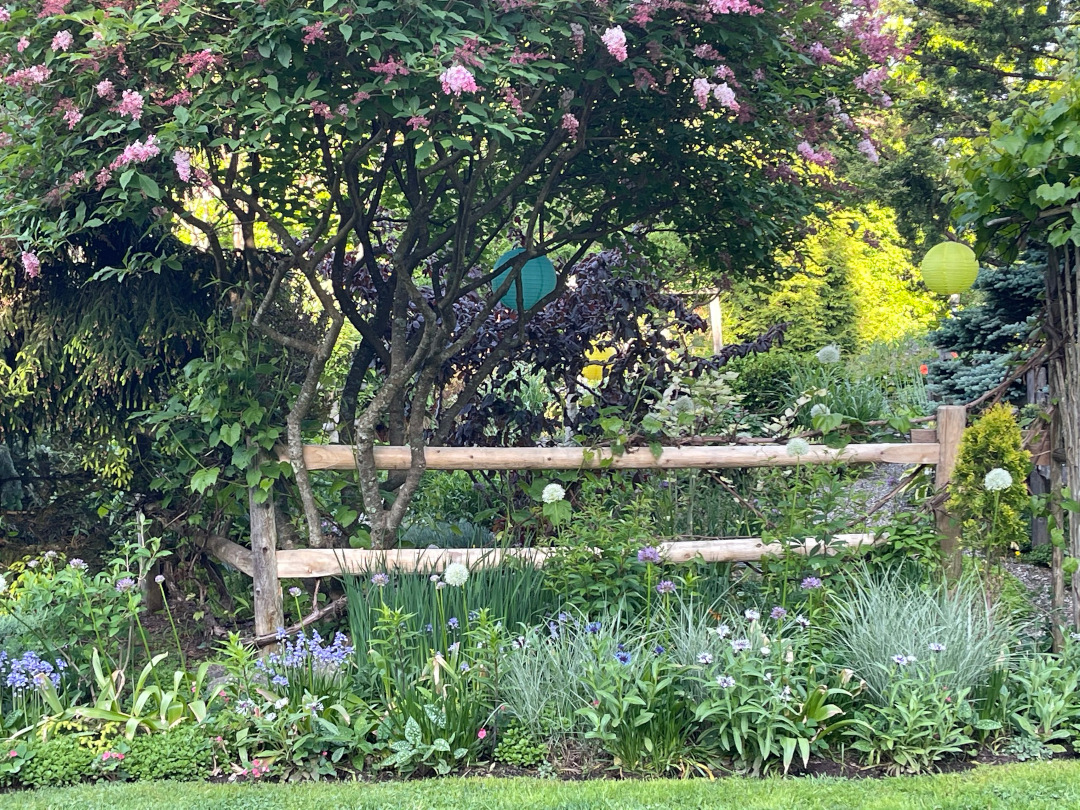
705,658
902,660
592,628
810,583
665,586
658,650
78,564
380,580
452,623
725,681
740,644
777,613
294,592
802,621
125,584
623,657
937,647
649,555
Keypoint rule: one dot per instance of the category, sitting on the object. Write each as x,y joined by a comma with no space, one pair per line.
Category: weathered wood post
269,615
951,421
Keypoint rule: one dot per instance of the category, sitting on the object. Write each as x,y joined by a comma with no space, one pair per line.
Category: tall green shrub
991,519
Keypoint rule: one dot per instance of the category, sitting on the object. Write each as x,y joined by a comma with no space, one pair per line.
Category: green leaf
284,54
204,479
149,187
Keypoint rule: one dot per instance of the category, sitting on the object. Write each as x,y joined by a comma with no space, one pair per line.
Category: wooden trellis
267,565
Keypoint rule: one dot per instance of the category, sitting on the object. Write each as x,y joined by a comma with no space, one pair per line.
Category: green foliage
991,520
182,753
1026,749
518,747
60,760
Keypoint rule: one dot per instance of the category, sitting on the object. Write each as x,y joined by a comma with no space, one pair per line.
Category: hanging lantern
537,279
949,268
594,372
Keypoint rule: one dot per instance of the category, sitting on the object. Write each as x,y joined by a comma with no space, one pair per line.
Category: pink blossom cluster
822,157
457,80
322,109
722,92
820,54
577,36
570,124
519,57
27,78
105,89
62,41
359,96
5,139
177,99
733,7
50,8
112,755
706,51
201,60
642,13
182,161
72,116
5,15
22,44
31,264
470,53
510,96
643,80
137,152
314,32
101,179
258,768
871,81
389,69
419,122
131,103
866,146
615,41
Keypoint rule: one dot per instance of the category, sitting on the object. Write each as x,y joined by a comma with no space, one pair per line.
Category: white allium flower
819,410
997,479
797,447
828,354
456,574
553,493
683,404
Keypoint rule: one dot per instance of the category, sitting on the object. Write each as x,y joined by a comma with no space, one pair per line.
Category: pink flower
418,122
512,100
811,155
24,43
871,81
182,161
322,109
62,41
136,152
457,80
131,103
820,54
866,146
359,96
198,62
5,15
390,68
702,89
571,124
52,7
734,7
105,89
726,96
314,32
615,40
577,35
481,733
101,179
12,752
32,267
27,78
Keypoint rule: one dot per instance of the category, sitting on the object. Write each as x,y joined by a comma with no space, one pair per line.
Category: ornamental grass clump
952,634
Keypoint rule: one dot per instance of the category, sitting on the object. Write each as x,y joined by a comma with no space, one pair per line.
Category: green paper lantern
537,279
949,268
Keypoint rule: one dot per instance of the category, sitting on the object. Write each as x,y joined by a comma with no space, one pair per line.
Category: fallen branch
329,609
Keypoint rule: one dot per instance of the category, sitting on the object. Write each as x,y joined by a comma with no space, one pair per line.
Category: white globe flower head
828,355
553,493
456,574
819,410
797,447
997,479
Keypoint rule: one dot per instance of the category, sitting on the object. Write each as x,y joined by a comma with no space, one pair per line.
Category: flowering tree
279,137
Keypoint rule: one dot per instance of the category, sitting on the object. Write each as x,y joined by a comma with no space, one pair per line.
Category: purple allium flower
622,656
125,584
810,583
751,615
777,613
704,658
937,647
649,555
380,580
78,564
740,645
725,681
294,592
592,628
665,586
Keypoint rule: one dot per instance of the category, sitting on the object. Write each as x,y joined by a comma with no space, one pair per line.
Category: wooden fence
267,565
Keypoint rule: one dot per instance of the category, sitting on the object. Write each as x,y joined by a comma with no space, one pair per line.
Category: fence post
268,610
951,420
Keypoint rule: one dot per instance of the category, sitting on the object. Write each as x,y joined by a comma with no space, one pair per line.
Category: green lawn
1039,786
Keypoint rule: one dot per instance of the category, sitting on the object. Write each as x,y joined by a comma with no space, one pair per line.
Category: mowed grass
1041,786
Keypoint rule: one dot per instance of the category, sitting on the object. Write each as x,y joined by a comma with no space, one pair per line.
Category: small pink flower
866,146
23,44
105,89
570,124
726,96
482,733
418,122
457,80
62,41
615,40
101,179
12,752
314,32
5,15
182,161
702,89
131,103
31,264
